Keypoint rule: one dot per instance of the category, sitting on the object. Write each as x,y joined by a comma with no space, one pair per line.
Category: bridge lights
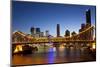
18,48
93,46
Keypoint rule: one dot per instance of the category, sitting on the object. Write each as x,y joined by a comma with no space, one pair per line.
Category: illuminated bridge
86,36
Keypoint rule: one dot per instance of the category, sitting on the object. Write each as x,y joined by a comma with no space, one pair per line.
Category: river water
51,55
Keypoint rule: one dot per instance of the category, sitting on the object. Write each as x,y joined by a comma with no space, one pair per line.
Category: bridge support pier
13,48
56,44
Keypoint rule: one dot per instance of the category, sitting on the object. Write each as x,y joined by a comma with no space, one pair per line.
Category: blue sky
46,16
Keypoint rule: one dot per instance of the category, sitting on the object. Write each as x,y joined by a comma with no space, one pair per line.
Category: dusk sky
46,16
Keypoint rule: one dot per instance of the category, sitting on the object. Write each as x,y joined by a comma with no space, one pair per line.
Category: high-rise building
41,34
73,34
58,30
37,30
33,31
83,36
88,17
67,33
83,26
46,33
89,34
88,24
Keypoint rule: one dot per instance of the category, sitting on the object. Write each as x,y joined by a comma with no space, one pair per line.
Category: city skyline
46,16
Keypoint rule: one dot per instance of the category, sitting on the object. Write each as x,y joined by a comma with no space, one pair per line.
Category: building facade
58,30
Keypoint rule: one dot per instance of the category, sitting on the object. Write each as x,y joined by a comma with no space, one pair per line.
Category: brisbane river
50,55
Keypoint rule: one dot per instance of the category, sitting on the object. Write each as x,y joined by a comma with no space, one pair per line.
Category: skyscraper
33,31
58,30
37,30
88,24
73,34
46,33
41,34
88,17
83,26
67,33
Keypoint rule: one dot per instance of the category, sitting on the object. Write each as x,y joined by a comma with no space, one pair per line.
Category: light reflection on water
53,49
51,57
50,54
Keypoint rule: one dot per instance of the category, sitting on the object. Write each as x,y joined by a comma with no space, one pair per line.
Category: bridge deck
71,41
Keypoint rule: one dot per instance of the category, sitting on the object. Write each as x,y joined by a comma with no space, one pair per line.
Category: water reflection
49,54
51,57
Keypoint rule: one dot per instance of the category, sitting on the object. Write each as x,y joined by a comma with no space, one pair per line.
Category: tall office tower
58,30
83,26
33,31
89,34
73,34
82,36
67,33
38,32
41,34
46,33
88,17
